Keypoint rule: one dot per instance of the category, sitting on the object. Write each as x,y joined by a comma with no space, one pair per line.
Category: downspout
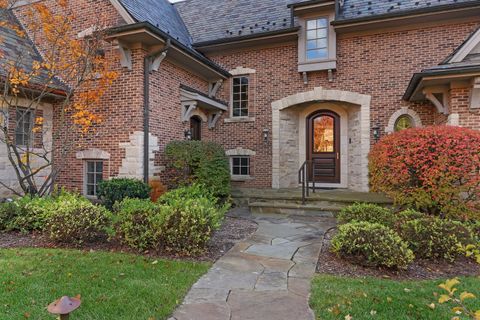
147,68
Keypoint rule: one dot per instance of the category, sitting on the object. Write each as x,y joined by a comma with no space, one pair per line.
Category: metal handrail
303,178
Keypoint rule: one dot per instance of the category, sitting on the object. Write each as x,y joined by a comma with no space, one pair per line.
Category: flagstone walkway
266,277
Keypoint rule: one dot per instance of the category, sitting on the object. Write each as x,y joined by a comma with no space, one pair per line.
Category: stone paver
265,277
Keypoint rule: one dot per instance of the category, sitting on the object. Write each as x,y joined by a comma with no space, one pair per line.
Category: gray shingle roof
161,14
354,9
209,20
18,49
217,19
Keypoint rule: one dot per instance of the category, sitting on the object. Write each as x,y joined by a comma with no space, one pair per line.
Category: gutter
405,13
147,65
417,77
246,37
189,51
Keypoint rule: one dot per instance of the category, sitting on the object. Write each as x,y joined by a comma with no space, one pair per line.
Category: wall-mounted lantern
188,134
64,306
265,135
376,132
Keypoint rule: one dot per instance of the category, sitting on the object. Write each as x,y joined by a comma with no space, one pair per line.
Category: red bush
435,169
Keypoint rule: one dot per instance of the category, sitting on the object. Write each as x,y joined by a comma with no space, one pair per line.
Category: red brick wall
380,65
460,103
121,108
165,107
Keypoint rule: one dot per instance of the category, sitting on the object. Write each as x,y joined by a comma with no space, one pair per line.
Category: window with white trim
240,166
317,39
240,87
93,177
24,122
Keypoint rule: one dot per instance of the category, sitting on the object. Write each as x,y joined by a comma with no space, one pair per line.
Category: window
317,39
403,122
240,97
241,166
93,176
24,126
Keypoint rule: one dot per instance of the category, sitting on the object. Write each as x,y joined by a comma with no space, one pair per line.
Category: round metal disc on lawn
64,305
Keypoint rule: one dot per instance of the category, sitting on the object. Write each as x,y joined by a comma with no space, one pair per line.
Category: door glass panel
323,134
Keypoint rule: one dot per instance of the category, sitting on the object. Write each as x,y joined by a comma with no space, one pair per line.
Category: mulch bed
330,263
232,231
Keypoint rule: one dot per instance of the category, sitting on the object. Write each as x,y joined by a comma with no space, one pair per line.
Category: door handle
338,155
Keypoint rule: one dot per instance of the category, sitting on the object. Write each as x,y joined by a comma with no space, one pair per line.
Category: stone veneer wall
42,140
286,130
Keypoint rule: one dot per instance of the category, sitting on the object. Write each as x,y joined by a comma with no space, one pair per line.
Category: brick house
277,82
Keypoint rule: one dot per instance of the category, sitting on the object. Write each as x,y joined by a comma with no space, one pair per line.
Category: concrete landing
266,277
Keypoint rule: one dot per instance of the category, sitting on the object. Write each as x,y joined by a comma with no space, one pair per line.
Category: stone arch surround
287,116
397,114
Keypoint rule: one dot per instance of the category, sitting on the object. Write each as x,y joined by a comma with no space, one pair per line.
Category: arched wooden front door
323,146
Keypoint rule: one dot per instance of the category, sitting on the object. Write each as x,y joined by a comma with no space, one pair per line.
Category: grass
111,285
336,297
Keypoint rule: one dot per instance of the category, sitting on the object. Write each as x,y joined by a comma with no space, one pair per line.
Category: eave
408,17
257,39
151,36
434,77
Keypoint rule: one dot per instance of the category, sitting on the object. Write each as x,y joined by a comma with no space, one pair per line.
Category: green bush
136,223
434,238
372,244
25,214
74,219
408,215
367,212
201,162
188,219
115,190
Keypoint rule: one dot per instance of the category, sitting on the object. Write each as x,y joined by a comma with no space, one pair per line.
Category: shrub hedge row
182,221
373,235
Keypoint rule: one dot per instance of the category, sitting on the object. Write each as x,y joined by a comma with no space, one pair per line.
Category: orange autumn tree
68,71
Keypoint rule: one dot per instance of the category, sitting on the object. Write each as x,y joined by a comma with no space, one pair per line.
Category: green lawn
385,299
111,285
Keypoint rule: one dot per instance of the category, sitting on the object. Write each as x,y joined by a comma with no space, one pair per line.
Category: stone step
328,210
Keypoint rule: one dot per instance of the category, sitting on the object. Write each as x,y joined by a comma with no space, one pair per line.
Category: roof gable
468,51
160,13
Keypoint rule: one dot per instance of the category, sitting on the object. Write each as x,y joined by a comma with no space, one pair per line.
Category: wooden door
323,146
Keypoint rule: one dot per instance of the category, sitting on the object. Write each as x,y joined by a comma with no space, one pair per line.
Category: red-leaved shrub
434,169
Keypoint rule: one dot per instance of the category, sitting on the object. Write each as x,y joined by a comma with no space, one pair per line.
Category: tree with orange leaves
71,74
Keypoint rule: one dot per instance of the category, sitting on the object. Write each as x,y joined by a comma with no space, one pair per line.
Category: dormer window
317,39
317,48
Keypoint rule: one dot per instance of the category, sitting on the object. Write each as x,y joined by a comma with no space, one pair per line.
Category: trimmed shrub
201,162
136,223
434,238
188,220
74,219
432,169
111,191
25,214
367,212
372,244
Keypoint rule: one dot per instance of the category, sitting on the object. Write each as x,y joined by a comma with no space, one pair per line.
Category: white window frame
326,38
328,63
232,95
85,176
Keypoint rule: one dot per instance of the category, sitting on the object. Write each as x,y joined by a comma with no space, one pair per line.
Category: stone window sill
241,178
239,119
317,65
